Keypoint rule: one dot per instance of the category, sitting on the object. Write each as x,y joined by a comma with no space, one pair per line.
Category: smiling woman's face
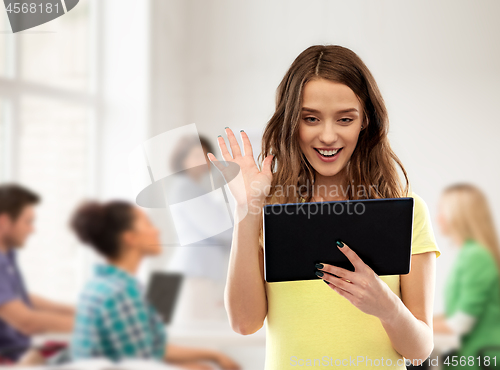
331,119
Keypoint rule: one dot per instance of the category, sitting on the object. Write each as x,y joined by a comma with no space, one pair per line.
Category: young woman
472,301
327,137
113,319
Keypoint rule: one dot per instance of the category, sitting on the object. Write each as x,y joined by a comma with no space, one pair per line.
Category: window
48,110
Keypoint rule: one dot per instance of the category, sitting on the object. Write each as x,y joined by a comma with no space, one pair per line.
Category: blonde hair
468,215
373,164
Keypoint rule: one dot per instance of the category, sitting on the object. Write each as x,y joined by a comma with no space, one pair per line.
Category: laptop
162,293
299,235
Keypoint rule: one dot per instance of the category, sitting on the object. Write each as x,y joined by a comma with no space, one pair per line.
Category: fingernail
340,243
241,130
219,136
319,273
225,127
319,265
326,282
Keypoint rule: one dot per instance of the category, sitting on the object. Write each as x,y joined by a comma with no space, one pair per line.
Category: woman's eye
307,118
349,120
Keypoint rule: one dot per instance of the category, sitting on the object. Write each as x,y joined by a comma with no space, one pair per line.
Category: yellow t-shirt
310,325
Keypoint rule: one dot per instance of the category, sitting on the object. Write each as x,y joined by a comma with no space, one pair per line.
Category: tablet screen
299,235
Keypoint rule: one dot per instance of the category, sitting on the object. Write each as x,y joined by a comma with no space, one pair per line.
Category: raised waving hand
247,184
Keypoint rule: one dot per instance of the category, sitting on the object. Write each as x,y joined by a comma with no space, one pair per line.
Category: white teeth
328,152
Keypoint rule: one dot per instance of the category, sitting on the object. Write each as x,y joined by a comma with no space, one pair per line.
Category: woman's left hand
363,287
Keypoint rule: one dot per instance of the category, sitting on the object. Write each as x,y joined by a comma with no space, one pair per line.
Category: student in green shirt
472,290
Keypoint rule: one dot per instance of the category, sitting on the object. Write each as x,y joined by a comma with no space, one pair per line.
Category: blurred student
22,314
203,263
472,300
113,318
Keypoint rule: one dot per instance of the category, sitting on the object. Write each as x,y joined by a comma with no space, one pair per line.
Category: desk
247,350
213,332
98,364
194,334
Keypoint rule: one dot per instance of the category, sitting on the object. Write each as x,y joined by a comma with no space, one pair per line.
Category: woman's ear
364,125
127,238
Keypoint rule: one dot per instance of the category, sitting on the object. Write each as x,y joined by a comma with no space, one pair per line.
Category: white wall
436,64
123,90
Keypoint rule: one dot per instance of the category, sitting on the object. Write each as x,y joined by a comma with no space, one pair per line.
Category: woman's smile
328,155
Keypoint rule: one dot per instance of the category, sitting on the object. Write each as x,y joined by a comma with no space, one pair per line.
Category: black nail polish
319,265
319,273
326,282
225,127
241,130
219,136
340,243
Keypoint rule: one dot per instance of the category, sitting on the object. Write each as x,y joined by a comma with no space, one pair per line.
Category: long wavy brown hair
373,163
469,216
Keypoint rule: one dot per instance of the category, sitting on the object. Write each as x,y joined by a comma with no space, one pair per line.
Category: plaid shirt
113,319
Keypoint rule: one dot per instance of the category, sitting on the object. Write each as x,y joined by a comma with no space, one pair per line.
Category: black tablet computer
163,291
299,235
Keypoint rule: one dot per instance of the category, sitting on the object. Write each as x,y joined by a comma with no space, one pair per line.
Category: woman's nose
328,134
